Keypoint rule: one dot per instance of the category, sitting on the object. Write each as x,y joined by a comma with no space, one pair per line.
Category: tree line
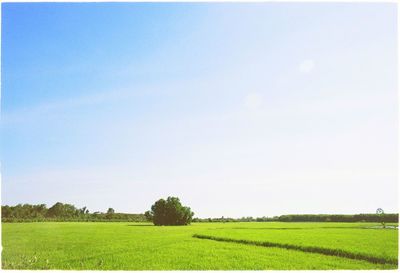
364,217
62,212
166,212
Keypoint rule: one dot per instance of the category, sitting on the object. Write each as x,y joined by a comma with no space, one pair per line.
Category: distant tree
149,216
170,212
82,210
62,210
110,211
6,211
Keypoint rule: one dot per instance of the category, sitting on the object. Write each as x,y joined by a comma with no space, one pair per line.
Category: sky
255,109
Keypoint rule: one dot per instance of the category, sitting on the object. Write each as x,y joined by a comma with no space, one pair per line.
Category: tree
60,210
110,211
149,216
83,210
169,212
6,211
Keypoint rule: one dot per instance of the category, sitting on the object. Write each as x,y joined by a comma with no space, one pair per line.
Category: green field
228,246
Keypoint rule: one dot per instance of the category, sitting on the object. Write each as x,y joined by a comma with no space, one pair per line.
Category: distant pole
381,214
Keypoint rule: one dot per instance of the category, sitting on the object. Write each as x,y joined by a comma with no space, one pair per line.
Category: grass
351,240
129,246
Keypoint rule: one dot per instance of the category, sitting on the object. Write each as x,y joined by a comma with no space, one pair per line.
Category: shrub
169,212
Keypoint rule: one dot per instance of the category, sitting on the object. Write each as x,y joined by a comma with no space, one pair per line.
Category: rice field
200,246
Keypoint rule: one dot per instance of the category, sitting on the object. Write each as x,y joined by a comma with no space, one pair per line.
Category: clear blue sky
238,109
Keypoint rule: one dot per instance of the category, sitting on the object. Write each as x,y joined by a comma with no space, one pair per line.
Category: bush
169,212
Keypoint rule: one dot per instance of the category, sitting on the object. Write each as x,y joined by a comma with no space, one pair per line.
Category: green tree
149,216
83,210
6,211
60,210
110,211
170,212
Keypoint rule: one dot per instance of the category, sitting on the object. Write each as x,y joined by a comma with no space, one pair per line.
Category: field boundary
310,249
